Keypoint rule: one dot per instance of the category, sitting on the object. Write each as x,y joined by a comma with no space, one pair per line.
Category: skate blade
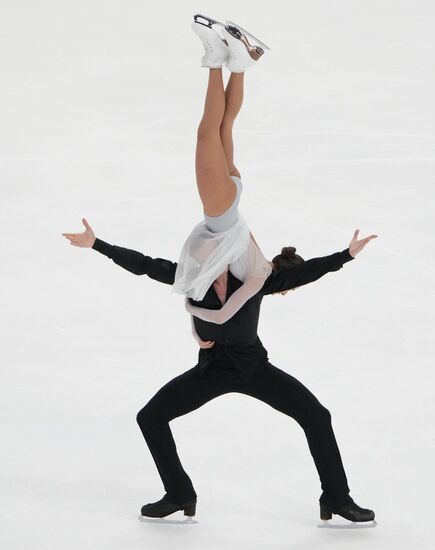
209,20
188,520
248,34
351,525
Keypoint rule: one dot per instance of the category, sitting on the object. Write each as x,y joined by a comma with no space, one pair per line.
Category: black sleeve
302,274
137,263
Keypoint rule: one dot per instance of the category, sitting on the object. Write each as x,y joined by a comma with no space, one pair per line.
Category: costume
215,244
237,362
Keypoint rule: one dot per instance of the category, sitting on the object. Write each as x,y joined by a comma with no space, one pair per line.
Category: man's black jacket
236,341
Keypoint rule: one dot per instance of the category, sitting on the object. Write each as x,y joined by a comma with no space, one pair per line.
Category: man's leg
179,396
286,394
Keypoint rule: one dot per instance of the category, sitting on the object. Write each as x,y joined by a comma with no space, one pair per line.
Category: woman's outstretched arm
257,271
238,299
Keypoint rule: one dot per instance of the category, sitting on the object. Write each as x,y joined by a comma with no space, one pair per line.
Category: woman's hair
287,258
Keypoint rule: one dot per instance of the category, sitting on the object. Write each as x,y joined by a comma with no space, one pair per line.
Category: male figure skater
235,361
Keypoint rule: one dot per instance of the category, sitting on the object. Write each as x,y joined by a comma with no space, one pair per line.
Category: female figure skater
223,239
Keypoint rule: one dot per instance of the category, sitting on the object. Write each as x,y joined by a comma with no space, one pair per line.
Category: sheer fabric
205,255
257,270
215,244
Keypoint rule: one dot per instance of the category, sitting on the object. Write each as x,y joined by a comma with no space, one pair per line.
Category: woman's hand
355,245
205,344
85,239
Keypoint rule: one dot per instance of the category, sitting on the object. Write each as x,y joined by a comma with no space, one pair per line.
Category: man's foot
350,511
164,507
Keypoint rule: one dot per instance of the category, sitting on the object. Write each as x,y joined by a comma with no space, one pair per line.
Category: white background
99,102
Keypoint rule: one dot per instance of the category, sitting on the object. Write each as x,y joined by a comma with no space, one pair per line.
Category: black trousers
280,390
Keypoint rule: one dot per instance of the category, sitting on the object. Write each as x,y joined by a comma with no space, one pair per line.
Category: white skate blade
326,524
210,34
249,35
188,520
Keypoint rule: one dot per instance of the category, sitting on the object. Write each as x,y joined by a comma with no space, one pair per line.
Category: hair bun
288,252
287,258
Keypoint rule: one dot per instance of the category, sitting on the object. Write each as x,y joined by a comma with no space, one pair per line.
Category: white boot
245,49
216,49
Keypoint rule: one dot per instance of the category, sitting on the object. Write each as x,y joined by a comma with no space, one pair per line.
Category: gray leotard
216,224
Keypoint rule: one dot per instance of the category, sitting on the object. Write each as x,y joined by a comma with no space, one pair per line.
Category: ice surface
99,107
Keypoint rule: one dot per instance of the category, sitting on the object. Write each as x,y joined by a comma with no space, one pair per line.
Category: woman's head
287,258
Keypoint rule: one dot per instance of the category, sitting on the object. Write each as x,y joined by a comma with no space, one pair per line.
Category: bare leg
216,189
233,103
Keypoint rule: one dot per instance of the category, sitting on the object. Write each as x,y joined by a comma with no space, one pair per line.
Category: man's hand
205,344
355,245
85,239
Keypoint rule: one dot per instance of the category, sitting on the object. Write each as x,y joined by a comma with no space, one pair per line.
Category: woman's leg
215,186
233,103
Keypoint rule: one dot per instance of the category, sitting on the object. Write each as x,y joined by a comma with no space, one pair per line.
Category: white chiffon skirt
215,244
205,255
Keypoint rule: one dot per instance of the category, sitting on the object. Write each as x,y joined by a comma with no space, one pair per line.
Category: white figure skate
245,49
216,48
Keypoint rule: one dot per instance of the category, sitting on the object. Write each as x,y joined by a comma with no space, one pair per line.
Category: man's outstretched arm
314,268
156,268
135,262
307,272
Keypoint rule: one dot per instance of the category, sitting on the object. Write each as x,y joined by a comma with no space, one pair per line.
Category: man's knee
146,417
322,414
141,416
317,414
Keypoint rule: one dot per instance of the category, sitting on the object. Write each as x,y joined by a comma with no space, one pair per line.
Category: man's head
287,258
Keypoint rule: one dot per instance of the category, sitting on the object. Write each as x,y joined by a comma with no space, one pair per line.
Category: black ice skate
164,507
360,517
